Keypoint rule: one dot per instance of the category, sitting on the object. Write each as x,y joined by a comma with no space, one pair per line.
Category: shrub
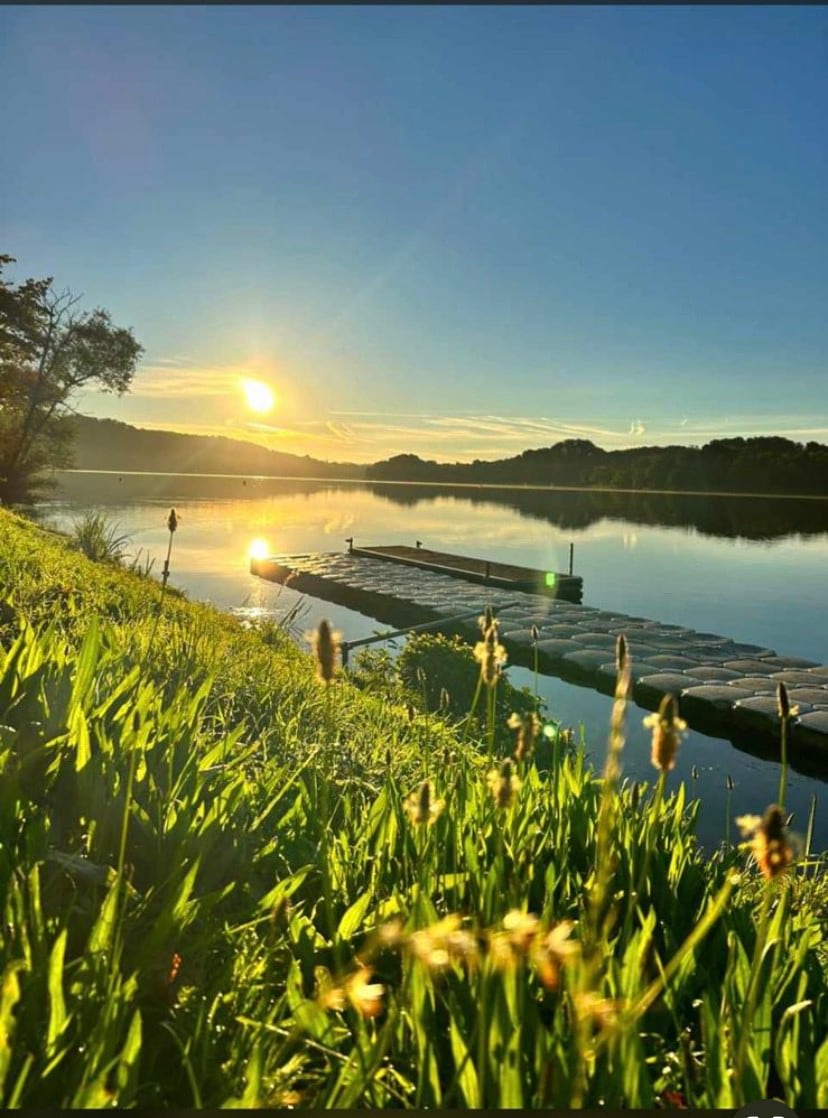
442,673
98,538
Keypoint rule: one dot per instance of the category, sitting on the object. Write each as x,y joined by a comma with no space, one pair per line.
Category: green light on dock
551,578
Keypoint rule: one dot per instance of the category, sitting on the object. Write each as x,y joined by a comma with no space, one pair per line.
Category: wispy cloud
722,427
173,394
452,423
342,432
172,379
171,361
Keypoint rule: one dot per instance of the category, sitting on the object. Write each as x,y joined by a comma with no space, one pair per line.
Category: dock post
350,543
571,556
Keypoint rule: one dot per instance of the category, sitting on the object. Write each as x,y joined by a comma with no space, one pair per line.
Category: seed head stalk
612,768
491,656
326,645
786,712
490,718
588,972
728,807
773,855
668,730
120,900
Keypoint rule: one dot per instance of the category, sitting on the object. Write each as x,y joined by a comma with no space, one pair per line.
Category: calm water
754,570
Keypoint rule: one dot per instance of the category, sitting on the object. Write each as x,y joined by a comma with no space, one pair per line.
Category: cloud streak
171,379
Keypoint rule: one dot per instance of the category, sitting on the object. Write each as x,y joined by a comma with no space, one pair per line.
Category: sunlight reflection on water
657,560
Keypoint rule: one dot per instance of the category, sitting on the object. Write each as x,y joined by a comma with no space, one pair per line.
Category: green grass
285,934
98,539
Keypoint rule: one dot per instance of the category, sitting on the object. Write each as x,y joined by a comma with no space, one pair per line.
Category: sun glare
259,549
259,396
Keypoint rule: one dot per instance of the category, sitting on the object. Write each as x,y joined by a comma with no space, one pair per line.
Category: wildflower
391,935
748,824
491,655
502,951
326,649
329,996
770,844
365,996
551,951
172,521
444,943
521,928
421,807
505,784
509,946
527,726
668,730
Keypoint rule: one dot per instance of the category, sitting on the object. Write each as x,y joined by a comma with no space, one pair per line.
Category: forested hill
757,465
105,444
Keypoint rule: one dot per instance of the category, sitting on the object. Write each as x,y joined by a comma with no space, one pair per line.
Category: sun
259,396
258,549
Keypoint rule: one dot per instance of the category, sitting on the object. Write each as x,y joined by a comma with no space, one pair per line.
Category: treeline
105,444
738,465
756,465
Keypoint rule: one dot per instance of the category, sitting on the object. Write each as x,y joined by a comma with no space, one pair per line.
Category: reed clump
456,930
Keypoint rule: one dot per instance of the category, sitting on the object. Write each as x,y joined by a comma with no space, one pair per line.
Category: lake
754,569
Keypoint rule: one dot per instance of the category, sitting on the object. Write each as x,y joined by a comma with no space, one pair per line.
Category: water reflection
259,548
730,517
752,570
750,518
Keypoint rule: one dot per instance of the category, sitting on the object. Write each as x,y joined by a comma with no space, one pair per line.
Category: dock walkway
723,686
504,575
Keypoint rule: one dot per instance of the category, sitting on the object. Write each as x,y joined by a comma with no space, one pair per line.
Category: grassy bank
309,894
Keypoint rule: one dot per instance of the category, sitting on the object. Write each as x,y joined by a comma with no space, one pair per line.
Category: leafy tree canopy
49,350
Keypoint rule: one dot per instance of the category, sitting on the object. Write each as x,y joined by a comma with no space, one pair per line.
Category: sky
455,231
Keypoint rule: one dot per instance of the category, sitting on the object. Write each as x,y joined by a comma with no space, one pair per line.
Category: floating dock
503,575
724,687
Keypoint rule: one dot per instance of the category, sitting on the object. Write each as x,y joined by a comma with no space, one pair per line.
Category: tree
49,350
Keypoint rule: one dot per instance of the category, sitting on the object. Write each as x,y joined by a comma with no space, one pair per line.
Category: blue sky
456,231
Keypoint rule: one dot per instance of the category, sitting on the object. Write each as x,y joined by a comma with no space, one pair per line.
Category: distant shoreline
462,484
